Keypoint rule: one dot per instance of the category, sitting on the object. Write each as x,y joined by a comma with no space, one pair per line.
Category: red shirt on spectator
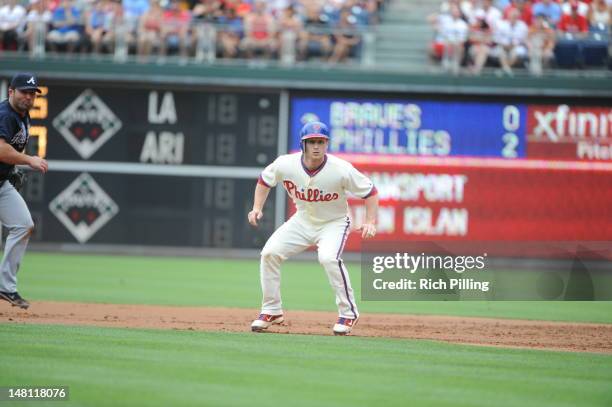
526,12
573,23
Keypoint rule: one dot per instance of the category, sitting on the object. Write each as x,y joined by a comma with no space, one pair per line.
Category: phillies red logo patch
309,195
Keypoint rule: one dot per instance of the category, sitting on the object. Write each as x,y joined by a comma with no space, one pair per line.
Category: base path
576,337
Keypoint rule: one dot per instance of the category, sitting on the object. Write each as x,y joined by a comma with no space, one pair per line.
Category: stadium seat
595,53
567,53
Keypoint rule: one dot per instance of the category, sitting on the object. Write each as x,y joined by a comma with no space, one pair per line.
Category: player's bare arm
11,156
368,229
261,194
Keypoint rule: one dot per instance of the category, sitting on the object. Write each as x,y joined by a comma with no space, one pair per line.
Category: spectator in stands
230,34
315,39
207,10
583,8
133,10
574,23
259,31
99,25
175,29
359,9
511,41
12,16
38,18
480,42
290,21
345,35
67,27
541,44
373,8
466,6
290,28
549,9
492,14
524,8
241,7
149,30
453,33
277,7
599,16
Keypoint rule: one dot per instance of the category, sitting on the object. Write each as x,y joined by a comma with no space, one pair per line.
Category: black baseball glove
17,178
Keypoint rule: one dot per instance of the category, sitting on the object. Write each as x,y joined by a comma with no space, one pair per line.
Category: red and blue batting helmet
314,130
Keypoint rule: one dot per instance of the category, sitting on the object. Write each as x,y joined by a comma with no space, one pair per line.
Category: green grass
235,283
112,367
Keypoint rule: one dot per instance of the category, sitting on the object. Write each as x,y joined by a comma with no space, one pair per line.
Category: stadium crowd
514,33
326,29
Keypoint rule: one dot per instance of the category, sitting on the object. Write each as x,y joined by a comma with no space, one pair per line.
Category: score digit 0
40,111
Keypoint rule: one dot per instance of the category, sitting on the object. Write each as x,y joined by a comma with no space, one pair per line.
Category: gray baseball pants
15,216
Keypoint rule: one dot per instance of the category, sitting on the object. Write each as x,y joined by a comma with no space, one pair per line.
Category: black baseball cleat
15,299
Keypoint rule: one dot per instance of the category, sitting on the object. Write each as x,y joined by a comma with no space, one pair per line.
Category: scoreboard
434,128
416,127
151,165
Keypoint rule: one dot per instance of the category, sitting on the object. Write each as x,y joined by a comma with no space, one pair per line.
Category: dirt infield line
545,335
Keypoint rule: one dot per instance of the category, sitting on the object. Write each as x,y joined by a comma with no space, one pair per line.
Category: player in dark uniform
14,213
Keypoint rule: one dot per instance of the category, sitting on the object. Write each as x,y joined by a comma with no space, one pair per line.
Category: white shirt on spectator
452,30
493,15
507,34
502,33
583,8
34,16
11,17
519,32
466,7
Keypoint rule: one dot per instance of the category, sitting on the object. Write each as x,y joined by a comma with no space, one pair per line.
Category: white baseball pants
295,236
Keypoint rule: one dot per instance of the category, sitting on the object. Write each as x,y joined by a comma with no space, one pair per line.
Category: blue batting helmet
314,130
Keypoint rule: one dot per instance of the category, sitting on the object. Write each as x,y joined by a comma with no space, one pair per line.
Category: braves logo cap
25,81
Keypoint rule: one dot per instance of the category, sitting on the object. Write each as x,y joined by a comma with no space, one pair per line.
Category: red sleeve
583,24
563,23
527,15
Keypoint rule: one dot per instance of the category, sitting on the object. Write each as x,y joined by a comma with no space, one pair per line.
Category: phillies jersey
321,194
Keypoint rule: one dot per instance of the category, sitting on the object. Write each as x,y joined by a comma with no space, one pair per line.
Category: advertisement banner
471,203
563,132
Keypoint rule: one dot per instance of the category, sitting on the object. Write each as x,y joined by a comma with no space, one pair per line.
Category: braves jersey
14,129
320,194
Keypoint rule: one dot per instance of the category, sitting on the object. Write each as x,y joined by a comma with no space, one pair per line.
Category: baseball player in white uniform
318,183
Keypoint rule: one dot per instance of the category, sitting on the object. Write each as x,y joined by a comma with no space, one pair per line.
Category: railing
204,44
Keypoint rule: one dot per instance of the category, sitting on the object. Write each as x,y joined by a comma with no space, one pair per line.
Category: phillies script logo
310,195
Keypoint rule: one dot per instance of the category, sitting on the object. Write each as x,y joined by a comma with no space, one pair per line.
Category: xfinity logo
83,207
87,123
573,123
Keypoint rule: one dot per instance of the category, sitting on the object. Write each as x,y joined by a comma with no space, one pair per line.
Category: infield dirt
576,337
